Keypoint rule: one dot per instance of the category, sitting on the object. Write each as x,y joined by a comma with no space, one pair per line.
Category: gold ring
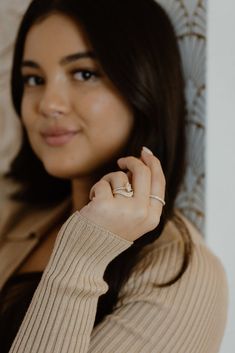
124,190
157,198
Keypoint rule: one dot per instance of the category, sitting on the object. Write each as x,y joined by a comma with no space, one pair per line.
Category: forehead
57,34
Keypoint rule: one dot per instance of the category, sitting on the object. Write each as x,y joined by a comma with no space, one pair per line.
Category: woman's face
65,88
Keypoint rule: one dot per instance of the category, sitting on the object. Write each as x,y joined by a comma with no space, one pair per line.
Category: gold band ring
124,190
157,198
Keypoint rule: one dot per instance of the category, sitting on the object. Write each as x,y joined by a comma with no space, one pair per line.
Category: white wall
220,153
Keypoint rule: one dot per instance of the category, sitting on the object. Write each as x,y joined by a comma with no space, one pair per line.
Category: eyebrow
64,61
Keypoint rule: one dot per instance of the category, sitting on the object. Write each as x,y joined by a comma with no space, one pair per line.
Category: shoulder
167,252
19,220
164,257
11,214
203,261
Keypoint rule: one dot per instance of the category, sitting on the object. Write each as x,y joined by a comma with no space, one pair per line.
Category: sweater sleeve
188,316
61,315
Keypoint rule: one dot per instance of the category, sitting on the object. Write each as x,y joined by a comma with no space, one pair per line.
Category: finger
102,190
116,180
157,178
141,176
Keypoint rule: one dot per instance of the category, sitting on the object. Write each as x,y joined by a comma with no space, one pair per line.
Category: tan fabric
21,228
186,317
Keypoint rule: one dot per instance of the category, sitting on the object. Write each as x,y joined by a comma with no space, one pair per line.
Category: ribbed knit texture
186,317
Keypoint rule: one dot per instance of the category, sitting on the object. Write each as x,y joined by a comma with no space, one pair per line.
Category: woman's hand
132,217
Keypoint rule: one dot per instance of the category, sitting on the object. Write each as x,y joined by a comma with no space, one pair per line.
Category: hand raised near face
128,217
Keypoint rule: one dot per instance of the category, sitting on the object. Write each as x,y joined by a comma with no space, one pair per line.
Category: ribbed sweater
186,317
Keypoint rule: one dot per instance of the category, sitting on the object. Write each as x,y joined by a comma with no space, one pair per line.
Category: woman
102,256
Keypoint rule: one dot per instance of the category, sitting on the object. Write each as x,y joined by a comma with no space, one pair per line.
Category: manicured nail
147,150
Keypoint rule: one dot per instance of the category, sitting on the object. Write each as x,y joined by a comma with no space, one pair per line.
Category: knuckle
157,161
120,174
156,164
101,182
134,160
157,170
131,159
108,176
145,170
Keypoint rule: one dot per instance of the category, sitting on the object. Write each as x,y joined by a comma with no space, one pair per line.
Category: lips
58,136
57,131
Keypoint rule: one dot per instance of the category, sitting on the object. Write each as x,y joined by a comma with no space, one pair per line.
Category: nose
55,101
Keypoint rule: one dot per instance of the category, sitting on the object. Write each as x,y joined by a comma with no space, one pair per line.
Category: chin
72,168
62,171
64,174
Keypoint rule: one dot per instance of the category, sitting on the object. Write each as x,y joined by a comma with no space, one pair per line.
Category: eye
32,80
85,75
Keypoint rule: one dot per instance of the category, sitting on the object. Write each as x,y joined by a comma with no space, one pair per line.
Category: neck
80,192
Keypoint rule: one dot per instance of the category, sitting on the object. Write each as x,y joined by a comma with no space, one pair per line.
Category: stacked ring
127,191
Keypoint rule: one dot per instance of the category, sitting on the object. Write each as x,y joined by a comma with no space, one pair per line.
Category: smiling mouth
59,140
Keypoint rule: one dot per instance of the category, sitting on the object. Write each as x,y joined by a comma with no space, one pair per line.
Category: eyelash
27,78
93,73
40,80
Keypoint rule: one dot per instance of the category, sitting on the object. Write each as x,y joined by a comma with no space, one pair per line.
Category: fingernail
147,150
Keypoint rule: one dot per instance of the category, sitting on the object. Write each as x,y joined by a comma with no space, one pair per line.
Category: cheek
117,121
110,124
96,103
105,109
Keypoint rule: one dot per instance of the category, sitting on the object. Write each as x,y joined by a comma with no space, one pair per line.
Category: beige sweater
186,317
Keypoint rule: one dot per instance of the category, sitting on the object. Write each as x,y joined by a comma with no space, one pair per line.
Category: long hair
135,43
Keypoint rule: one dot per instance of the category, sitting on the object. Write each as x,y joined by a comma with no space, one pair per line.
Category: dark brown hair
136,45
